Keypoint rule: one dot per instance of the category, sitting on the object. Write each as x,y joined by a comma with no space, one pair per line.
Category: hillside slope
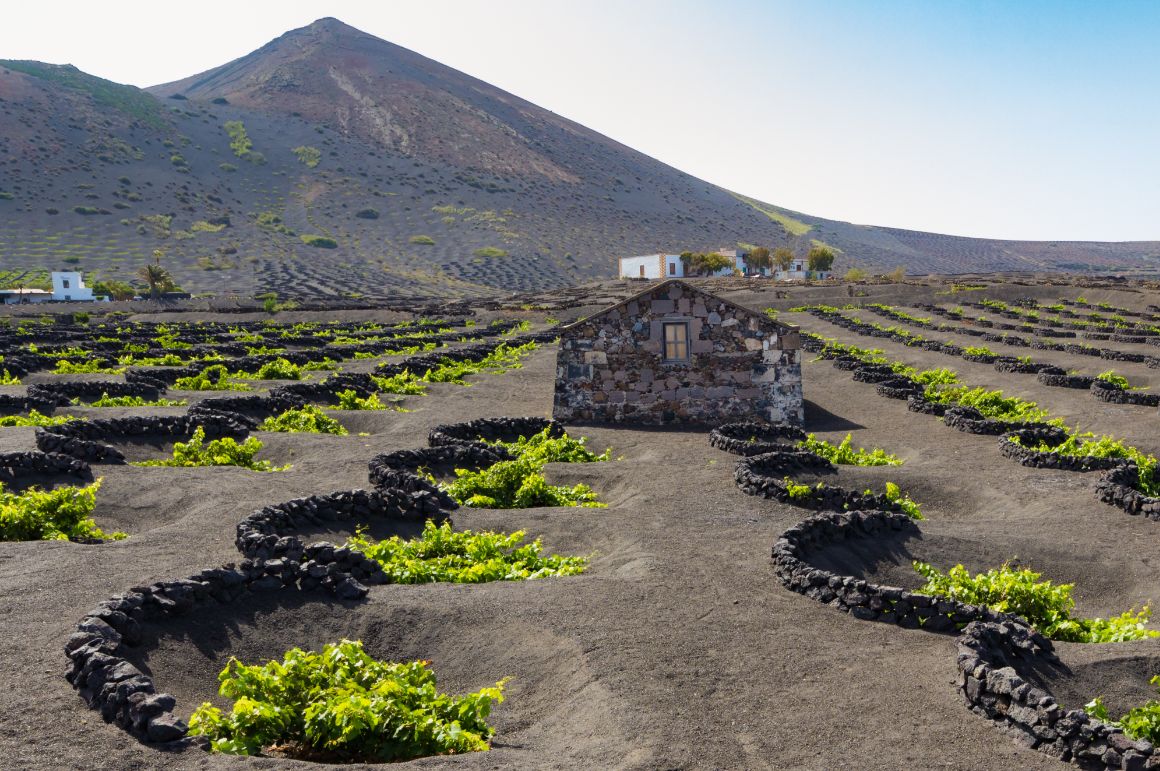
407,176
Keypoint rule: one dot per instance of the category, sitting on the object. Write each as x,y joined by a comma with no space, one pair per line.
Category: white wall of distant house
650,266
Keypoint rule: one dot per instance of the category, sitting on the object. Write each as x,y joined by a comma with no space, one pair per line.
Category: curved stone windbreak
1119,487
874,374
249,406
860,598
989,657
1113,355
1020,367
1052,436
327,390
1111,393
63,393
86,439
1059,378
750,437
269,532
899,388
21,364
33,463
12,404
921,404
501,429
767,476
99,668
972,421
767,479
467,455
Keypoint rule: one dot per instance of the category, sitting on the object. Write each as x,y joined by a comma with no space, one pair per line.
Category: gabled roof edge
684,285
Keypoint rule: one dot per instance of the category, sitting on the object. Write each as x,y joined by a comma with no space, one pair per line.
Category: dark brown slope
333,74
426,181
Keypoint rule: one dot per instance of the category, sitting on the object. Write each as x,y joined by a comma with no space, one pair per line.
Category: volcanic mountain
330,161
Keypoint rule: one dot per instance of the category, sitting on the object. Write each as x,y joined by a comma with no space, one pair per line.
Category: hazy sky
1011,119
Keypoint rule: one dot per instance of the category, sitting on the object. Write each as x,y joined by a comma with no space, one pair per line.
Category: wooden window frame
686,343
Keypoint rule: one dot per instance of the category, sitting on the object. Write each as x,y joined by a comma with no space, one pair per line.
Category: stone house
677,354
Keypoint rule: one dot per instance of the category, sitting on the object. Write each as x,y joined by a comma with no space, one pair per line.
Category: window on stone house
672,268
64,282
642,271
676,341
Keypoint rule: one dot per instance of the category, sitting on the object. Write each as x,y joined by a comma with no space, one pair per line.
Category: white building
652,266
17,296
67,285
668,266
798,271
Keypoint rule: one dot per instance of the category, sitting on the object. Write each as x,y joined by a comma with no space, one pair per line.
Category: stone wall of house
741,365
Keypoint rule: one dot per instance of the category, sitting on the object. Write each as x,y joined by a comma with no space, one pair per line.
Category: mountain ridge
329,161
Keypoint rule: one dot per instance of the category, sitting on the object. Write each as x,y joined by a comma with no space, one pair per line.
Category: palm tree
156,277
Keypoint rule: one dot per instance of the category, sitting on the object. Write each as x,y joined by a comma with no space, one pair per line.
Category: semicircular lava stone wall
899,388
34,463
63,393
275,559
503,429
972,421
860,598
754,438
990,657
12,404
1020,367
1111,393
1119,488
466,455
921,404
252,405
269,533
85,439
1052,436
1058,378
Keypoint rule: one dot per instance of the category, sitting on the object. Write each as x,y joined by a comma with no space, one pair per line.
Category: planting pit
1118,672
554,696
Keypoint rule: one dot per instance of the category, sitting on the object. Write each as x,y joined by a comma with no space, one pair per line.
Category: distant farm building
654,266
799,271
19,296
676,354
67,285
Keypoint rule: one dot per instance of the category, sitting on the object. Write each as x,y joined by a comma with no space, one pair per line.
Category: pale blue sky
1011,119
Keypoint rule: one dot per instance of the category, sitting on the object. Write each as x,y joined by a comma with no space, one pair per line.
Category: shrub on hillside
319,242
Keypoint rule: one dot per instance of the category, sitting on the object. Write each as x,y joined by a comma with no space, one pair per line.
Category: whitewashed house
67,285
798,271
652,266
666,266
18,296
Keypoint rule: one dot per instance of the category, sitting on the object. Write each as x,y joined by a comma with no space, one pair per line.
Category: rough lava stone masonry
722,363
